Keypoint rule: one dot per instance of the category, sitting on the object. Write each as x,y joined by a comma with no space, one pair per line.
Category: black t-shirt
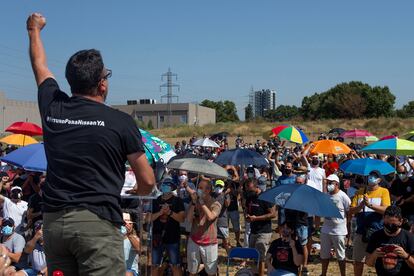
234,205
297,218
397,265
257,207
404,189
166,227
86,145
282,255
35,203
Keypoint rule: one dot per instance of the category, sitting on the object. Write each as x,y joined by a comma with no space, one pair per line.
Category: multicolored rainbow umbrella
155,148
290,133
393,146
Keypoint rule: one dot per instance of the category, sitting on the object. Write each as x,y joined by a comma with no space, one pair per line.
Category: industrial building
262,101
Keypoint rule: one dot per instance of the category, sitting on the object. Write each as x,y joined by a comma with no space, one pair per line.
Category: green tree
248,113
282,113
225,111
406,111
380,102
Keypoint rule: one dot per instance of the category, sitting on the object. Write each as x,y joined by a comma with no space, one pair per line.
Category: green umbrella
393,146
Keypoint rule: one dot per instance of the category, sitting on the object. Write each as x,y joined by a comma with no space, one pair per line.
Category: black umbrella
219,136
185,155
237,157
337,130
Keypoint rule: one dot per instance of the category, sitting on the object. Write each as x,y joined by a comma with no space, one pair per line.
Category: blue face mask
124,230
372,180
165,188
7,230
200,192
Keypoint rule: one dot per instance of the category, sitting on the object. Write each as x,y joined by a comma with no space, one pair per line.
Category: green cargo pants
78,242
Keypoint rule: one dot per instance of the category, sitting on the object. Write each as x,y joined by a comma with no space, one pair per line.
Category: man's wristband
405,259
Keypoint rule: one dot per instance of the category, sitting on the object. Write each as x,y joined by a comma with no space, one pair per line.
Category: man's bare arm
35,24
143,173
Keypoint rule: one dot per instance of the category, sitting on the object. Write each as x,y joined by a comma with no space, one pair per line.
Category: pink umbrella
388,137
356,133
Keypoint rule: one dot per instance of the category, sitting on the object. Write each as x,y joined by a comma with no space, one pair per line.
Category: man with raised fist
87,145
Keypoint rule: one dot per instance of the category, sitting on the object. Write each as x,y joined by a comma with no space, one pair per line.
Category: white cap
333,177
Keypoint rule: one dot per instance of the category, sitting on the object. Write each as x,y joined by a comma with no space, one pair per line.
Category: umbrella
330,147
337,130
238,157
409,136
155,148
290,133
206,142
31,158
18,140
219,136
371,139
199,166
302,198
388,137
185,155
25,128
366,165
355,133
391,147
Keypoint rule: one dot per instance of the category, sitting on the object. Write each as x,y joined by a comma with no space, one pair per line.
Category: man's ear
102,87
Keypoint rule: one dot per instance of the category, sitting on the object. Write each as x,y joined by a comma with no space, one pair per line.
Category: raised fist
35,21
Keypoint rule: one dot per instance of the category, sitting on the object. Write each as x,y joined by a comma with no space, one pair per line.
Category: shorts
302,234
261,243
207,254
359,249
173,252
223,232
331,241
234,217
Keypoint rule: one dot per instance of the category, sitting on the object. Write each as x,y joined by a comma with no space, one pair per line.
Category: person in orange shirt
368,205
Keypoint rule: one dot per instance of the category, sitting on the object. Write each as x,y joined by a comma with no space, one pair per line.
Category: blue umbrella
366,165
237,157
30,158
302,198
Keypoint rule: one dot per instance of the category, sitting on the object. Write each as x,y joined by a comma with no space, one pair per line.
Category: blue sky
219,49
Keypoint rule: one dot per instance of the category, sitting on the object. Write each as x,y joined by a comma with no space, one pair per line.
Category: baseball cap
7,222
333,177
219,183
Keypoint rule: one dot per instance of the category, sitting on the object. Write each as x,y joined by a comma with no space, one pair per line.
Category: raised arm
35,24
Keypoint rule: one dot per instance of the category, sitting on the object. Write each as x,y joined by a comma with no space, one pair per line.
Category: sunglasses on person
7,223
108,74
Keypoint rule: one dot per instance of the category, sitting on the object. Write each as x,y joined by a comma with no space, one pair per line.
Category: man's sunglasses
7,223
108,74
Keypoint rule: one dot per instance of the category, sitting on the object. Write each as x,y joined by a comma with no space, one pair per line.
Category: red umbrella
25,128
388,137
356,133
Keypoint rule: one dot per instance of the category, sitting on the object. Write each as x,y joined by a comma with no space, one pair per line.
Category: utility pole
169,96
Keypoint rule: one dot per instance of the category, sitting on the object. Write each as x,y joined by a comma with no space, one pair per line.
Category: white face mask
182,178
218,190
330,188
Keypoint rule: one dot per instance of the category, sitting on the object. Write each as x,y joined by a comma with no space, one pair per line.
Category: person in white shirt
334,230
14,207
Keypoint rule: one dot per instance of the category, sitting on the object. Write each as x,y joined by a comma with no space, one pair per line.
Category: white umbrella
206,143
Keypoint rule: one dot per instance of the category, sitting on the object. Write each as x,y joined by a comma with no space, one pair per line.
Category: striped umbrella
290,133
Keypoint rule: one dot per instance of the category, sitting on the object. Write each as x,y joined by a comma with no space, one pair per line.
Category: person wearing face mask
222,195
391,249
132,245
13,241
14,207
285,254
334,230
287,177
368,205
167,214
402,192
259,214
4,184
202,246
185,188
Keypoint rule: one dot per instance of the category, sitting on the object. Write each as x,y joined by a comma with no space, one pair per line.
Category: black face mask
391,228
315,162
288,171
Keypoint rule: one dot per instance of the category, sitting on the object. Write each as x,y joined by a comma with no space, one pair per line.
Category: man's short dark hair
84,71
393,211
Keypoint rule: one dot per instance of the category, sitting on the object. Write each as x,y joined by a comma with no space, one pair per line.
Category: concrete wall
181,113
15,110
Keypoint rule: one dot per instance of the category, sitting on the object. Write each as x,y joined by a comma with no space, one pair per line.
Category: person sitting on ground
285,254
391,249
